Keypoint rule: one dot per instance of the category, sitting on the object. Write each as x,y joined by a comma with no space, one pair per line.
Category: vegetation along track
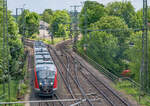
108,93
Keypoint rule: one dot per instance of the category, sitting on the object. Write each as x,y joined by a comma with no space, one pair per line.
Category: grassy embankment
17,89
49,41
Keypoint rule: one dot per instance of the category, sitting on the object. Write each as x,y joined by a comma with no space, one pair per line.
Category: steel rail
57,97
110,89
60,72
80,88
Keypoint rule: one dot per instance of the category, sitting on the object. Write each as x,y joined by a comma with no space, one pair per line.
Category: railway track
55,97
74,76
69,69
110,95
59,68
69,75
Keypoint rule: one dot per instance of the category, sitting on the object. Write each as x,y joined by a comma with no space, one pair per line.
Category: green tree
90,13
60,23
112,27
47,15
29,23
124,10
140,16
135,54
15,46
104,47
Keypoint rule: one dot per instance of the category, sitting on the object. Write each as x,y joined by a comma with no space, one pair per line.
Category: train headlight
51,83
40,83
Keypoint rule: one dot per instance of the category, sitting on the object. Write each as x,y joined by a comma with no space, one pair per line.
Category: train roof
42,53
49,67
44,62
40,49
42,56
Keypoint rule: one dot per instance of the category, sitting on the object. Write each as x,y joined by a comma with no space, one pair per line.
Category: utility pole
85,25
85,19
4,36
144,64
23,28
8,71
75,23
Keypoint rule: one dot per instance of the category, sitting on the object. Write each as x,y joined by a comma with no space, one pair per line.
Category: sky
39,5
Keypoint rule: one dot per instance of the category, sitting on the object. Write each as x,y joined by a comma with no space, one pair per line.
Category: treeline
28,23
59,22
11,47
114,36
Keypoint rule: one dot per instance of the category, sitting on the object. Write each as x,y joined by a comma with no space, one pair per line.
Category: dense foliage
29,23
60,23
116,45
13,52
47,15
110,45
90,13
124,10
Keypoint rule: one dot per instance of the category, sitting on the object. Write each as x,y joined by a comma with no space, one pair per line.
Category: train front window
46,74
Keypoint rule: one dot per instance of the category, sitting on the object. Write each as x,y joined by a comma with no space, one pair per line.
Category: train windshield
46,74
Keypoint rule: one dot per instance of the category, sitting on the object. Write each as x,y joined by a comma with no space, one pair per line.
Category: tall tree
108,45
60,23
124,10
29,23
47,15
14,47
140,15
90,13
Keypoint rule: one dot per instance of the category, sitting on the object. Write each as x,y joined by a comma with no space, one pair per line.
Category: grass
14,89
24,86
127,87
55,41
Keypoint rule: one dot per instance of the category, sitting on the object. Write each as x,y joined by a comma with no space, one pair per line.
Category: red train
45,71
